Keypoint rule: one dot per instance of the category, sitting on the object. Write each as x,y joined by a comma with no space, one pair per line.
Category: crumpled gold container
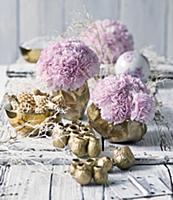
75,102
25,123
30,55
129,131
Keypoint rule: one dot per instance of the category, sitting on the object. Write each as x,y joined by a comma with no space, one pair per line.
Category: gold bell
94,147
73,135
79,146
73,166
106,163
82,174
90,163
100,175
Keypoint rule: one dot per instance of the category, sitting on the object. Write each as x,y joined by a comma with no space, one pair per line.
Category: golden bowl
30,55
26,123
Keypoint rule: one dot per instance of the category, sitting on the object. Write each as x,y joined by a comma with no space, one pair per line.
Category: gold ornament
73,135
94,147
82,174
123,157
90,163
100,175
30,55
106,163
73,166
128,131
79,146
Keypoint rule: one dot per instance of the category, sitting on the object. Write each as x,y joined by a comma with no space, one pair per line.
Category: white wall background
150,21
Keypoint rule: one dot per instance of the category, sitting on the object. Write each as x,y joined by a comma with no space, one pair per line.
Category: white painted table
32,169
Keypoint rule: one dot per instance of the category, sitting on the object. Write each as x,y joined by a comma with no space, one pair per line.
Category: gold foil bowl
30,55
128,131
31,49
25,123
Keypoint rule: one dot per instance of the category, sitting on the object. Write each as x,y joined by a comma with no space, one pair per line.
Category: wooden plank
3,79
98,9
26,182
8,31
53,17
141,17
40,17
170,30
170,170
165,95
122,186
64,186
93,192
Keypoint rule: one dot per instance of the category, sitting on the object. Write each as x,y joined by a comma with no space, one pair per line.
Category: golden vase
74,102
128,131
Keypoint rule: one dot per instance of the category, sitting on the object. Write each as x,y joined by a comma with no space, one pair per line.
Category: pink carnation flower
116,96
109,39
143,107
67,64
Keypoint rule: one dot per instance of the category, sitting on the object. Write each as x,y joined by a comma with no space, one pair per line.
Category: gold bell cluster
92,170
95,170
79,137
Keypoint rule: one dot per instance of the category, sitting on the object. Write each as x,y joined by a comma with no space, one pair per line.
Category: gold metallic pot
60,141
79,146
71,140
75,102
90,163
73,128
94,147
100,175
26,123
73,166
128,131
30,55
106,163
82,174
123,157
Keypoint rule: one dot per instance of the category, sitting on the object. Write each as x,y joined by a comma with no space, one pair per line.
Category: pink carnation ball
109,39
67,64
122,98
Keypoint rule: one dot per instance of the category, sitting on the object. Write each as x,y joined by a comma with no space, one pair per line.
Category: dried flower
109,39
122,98
67,64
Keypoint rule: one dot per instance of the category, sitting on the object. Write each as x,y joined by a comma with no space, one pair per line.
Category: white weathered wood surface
33,169
150,21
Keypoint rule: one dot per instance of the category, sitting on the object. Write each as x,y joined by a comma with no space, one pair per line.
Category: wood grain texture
8,31
40,17
170,29
64,186
121,186
26,182
3,69
146,21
